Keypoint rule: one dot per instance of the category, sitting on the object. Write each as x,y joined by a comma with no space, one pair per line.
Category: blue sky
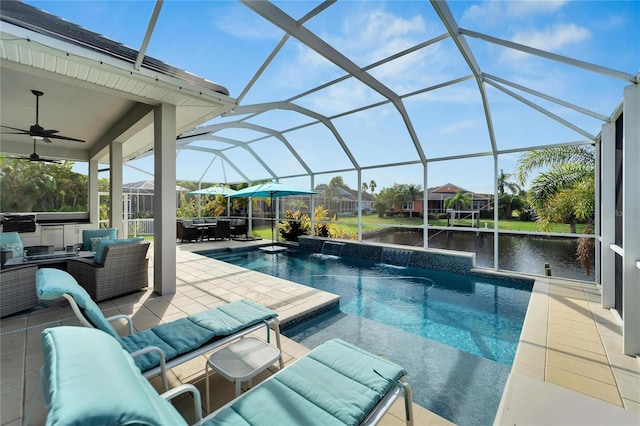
226,42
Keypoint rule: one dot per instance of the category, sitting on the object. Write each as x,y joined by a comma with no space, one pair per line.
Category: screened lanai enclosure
368,95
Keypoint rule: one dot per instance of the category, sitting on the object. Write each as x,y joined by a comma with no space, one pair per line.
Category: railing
138,227
133,227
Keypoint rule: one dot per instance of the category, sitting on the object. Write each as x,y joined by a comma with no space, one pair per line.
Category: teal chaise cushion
92,381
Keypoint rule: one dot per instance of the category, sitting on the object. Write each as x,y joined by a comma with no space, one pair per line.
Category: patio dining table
203,229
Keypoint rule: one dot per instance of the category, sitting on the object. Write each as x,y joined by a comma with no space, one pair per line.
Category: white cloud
556,37
378,34
490,13
240,23
461,126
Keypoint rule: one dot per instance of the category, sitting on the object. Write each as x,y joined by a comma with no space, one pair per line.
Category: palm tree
411,193
505,200
364,186
372,186
459,201
565,191
503,183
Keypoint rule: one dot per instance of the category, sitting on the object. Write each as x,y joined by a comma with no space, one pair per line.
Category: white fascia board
32,40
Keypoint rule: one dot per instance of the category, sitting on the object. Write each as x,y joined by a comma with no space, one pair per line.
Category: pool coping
531,364
539,391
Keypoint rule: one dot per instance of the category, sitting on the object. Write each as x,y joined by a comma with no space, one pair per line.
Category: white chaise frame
270,324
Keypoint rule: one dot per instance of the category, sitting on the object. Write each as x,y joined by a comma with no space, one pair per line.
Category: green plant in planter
294,225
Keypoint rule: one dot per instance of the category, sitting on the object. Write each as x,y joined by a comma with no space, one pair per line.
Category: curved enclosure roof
355,86
387,88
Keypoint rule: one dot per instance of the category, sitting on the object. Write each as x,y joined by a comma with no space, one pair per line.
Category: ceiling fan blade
14,133
46,160
66,138
47,140
23,132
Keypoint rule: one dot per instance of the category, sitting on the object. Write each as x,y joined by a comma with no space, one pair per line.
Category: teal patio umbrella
271,190
215,190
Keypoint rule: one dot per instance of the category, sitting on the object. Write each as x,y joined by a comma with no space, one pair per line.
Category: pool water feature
455,334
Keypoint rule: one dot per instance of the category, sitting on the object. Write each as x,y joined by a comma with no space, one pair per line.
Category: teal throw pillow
95,241
10,241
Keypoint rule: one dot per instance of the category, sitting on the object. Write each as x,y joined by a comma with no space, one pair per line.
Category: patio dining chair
165,345
222,230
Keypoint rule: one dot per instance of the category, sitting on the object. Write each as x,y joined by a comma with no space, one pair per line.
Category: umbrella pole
273,219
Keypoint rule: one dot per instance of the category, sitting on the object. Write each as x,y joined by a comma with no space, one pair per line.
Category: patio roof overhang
94,88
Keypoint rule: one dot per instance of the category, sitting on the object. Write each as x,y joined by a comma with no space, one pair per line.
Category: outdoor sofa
17,289
165,345
96,382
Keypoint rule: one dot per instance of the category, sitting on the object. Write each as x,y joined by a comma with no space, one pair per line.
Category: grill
19,223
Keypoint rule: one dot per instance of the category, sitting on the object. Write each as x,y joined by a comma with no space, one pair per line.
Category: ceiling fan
35,157
38,132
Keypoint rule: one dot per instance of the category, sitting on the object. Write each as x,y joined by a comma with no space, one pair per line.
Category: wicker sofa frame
17,289
125,269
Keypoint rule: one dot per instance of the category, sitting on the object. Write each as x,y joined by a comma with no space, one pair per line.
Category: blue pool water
456,335
477,315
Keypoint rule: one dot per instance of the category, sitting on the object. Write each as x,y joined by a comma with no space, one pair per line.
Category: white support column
115,188
597,241
608,213
359,205
164,246
276,220
496,233
425,207
94,195
631,221
312,208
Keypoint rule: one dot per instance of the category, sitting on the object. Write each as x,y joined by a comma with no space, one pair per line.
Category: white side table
241,361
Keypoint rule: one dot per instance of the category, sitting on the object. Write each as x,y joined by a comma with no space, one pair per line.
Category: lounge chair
119,267
96,382
186,231
165,345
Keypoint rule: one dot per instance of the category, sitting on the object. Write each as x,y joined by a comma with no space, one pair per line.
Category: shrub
294,225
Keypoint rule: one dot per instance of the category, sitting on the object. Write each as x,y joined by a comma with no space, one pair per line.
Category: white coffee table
240,362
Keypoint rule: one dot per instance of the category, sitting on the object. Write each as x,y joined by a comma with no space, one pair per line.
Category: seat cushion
92,381
232,317
187,334
99,256
335,384
87,234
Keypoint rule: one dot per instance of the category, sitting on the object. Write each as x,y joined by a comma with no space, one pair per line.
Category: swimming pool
455,334
478,315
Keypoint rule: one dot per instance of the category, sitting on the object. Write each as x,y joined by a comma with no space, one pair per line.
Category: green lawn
370,222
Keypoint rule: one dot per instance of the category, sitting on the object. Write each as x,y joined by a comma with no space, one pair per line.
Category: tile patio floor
569,354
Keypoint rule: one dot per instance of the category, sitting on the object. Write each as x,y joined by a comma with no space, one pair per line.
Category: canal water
519,253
